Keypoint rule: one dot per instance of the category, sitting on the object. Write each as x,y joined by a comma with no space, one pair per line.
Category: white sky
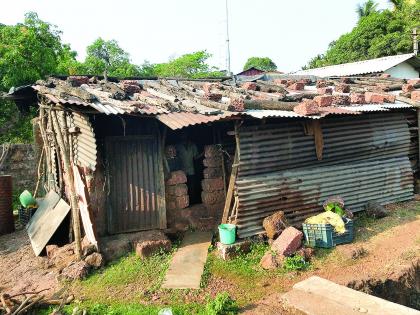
289,32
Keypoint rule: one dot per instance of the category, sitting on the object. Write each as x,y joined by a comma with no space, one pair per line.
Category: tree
261,63
366,8
377,35
28,51
397,4
193,65
108,58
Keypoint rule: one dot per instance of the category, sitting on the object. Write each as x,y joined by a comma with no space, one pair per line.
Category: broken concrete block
357,98
95,260
307,107
288,242
177,190
275,224
76,271
323,100
146,249
342,88
227,252
415,96
214,184
177,177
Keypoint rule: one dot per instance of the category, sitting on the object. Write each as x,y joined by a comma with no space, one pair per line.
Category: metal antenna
227,40
415,42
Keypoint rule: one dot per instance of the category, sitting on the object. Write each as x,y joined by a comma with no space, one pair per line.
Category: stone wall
20,162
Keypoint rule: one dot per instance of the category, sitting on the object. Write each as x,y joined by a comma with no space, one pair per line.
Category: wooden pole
70,182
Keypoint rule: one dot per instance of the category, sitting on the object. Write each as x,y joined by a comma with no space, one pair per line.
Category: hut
286,144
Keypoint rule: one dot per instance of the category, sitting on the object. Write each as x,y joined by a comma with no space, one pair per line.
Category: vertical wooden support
70,182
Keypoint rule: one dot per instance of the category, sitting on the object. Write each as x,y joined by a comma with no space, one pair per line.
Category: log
265,86
407,100
272,105
298,97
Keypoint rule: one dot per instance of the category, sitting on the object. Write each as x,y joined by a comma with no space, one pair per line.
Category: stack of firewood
213,194
31,302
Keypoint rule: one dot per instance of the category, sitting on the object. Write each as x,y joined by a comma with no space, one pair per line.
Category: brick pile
177,191
213,195
6,212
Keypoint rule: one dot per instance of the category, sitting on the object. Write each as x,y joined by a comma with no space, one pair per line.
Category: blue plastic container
324,235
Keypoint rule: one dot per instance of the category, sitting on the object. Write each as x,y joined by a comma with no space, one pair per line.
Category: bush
223,304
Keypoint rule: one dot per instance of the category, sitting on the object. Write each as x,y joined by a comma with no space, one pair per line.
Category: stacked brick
213,195
177,191
6,212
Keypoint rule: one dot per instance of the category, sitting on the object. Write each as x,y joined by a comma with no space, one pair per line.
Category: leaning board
46,220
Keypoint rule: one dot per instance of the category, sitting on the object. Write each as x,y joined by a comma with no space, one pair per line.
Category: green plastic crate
323,235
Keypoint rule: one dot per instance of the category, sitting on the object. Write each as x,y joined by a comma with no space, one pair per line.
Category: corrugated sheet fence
364,158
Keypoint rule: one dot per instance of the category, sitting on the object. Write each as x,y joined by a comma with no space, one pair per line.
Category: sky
289,32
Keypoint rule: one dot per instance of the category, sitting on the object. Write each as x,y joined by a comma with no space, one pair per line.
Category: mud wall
20,162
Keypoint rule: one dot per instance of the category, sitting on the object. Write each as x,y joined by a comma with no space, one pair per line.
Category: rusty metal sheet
365,158
136,198
84,142
51,212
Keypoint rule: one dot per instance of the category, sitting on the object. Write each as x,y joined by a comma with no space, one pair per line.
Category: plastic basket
323,235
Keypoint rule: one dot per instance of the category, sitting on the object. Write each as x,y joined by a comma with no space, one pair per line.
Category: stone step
318,296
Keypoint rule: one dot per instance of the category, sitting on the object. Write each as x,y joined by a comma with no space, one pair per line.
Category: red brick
212,172
341,99
377,98
357,98
406,88
177,202
298,86
321,84
413,81
324,90
307,107
214,184
323,100
250,86
415,96
211,198
177,177
177,190
342,88
289,241
236,104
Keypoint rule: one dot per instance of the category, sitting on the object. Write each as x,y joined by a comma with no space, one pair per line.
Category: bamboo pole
70,182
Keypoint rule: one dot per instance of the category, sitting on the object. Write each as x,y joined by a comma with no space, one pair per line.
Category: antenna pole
227,40
415,42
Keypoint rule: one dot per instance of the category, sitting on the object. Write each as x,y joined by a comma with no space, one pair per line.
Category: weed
223,304
294,263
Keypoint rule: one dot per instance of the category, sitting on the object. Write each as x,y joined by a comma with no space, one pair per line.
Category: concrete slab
318,296
187,265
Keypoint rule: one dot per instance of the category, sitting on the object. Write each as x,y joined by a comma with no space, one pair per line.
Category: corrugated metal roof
359,67
180,120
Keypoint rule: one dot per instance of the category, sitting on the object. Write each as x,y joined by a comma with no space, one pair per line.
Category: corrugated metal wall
136,196
84,142
364,158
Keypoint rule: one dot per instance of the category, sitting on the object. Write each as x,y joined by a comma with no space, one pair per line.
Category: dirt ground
390,248
20,270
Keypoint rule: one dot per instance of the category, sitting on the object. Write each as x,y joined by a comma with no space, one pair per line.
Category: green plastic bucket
227,233
26,199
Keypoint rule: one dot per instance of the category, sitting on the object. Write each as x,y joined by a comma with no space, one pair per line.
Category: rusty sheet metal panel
364,158
136,196
84,142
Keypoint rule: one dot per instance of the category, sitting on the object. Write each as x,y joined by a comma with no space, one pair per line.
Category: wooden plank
230,188
51,212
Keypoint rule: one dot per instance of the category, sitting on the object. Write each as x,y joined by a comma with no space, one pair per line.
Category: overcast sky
289,32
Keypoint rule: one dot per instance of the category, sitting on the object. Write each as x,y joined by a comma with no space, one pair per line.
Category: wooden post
70,182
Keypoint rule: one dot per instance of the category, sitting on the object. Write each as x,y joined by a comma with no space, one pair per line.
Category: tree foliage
377,35
367,8
261,63
193,65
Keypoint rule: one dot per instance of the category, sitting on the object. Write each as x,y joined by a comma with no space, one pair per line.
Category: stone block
211,151
177,177
298,86
342,88
415,96
341,99
357,98
213,184
271,260
211,198
385,75
413,81
212,172
275,224
289,241
323,100
324,90
321,84
249,86
76,271
177,190
407,88
378,98
177,202
149,248
213,162
307,107
227,252
95,260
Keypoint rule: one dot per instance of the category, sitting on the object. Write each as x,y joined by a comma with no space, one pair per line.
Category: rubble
275,224
288,242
